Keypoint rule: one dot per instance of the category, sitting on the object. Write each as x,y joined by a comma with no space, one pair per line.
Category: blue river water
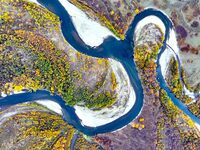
120,50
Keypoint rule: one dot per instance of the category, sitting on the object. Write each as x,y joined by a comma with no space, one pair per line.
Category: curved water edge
120,50
162,82
125,99
186,91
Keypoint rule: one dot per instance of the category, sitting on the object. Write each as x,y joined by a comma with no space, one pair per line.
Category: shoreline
106,115
113,127
168,53
90,31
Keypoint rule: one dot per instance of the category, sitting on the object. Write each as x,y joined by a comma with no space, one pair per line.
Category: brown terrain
154,129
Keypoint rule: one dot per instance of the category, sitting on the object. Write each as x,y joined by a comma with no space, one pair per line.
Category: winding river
120,50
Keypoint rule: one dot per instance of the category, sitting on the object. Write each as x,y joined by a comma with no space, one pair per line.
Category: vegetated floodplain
42,62
145,57
175,84
29,58
35,127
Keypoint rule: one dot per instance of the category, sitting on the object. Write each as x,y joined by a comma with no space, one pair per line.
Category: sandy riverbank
126,98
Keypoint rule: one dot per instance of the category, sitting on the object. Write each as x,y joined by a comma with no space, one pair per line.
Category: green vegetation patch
29,60
177,88
174,82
